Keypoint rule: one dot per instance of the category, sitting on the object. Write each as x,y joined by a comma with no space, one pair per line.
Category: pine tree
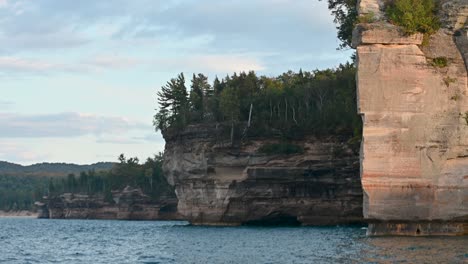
197,98
173,103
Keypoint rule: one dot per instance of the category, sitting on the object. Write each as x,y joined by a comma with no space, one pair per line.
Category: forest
20,192
291,105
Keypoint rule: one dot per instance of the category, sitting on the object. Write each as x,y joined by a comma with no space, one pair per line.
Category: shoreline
18,214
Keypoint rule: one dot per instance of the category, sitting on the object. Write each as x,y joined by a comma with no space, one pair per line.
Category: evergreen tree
197,98
173,103
229,105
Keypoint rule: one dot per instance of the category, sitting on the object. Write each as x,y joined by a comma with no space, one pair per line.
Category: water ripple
79,241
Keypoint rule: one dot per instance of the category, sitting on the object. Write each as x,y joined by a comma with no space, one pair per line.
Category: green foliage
440,62
230,104
284,148
289,106
20,192
173,103
197,99
367,18
346,15
414,15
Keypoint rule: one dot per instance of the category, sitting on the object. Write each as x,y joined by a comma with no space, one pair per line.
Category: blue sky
78,79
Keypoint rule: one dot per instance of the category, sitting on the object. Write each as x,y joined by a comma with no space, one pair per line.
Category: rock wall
128,204
219,185
414,157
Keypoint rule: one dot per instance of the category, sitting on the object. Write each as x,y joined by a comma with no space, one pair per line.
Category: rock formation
128,204
414,157
219,185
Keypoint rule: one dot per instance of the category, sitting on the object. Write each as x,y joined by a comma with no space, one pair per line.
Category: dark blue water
75,241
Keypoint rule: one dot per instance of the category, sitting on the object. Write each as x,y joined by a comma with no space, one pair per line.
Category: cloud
255,25
113,61
57,24
218,63
46,41
65,125
3,3
6,104
117,140
16,65
16,152
164,31
264,24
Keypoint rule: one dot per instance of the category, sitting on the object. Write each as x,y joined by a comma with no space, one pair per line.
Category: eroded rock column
414,158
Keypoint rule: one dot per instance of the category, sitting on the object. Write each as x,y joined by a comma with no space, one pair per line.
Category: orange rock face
414,157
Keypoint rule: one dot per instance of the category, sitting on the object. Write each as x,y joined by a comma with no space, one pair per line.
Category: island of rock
414,156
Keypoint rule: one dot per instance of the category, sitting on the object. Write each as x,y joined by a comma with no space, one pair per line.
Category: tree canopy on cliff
291,105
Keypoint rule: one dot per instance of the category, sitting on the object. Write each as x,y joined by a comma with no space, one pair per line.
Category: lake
100,241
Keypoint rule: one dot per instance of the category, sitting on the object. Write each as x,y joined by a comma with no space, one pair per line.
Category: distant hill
51,169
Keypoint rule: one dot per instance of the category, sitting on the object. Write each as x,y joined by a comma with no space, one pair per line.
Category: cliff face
128,204
218,185
414,158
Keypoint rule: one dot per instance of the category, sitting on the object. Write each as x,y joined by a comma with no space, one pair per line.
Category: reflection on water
415,250
75,241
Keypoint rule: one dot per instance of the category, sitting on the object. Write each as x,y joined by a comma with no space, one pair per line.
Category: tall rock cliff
414,157
219,185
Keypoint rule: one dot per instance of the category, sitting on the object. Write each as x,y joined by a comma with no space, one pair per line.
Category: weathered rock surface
414,158
218,185
382,32
128,204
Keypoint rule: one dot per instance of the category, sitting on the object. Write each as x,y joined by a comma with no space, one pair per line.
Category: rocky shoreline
19,214
127,204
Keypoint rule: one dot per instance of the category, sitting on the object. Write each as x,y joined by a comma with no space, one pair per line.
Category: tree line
20,192
318,102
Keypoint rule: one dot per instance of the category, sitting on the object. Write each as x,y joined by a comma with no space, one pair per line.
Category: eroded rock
128,204
219,185
414,157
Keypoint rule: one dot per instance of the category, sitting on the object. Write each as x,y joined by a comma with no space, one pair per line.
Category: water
80,241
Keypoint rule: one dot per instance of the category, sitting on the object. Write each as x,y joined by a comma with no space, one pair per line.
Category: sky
78,79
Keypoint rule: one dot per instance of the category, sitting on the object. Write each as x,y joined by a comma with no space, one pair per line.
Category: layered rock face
128,204
219,185
414,157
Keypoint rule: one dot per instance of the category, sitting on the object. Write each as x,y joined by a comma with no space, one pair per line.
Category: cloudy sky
78,79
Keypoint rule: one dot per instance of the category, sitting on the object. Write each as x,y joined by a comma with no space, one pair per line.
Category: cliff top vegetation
291,105
411,15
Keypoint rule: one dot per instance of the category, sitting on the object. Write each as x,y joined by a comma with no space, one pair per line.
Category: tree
229,104
199,93
71,183
345,12
173,103
51,188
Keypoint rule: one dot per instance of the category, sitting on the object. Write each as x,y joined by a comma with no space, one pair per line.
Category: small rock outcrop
220,185
128,204
414,103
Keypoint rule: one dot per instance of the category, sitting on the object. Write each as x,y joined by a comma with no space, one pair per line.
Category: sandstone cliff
219,185
128,204
414,158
